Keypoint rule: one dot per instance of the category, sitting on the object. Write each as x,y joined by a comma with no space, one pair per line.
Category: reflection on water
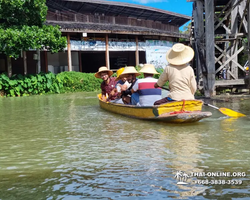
229,125
66,147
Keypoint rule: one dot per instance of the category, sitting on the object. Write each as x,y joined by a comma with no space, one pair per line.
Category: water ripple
66,147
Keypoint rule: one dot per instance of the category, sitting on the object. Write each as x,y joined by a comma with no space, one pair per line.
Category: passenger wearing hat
122,80
128,98
116,92
108,83
121,83
148,94
179,73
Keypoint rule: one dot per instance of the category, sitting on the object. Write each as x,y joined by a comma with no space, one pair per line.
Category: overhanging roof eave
120,8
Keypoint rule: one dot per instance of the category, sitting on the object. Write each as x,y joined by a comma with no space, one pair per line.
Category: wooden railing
105,19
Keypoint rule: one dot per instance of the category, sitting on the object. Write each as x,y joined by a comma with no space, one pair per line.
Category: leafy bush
19,85
48,83
78,81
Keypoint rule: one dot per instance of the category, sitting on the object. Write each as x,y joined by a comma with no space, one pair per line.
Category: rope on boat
182,109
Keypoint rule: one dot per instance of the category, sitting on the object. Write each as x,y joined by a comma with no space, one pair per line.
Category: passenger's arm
104,98
193,82
104,94
113,92
135,87
156,85
162,79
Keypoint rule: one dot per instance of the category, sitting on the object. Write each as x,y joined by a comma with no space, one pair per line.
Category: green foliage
48,83
22,28
198,93
22,12
243,56
186,29
77,81
19,85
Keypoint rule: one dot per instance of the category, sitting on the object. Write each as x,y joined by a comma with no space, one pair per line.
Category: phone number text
218,182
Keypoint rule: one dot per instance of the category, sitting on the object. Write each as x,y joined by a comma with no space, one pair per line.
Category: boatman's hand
124,87
156,85
104,98
112,93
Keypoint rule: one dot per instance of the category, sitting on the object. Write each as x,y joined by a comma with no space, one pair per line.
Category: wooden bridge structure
220,28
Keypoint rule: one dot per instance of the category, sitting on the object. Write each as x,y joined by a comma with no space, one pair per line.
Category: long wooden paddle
225,111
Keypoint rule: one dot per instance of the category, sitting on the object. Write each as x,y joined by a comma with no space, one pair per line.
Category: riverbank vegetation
49,83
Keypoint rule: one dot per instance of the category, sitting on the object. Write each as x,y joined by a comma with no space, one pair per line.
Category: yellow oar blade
231,113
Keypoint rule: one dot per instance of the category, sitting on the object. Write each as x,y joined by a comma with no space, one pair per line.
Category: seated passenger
108,83
117,89
179,73
122,81
145,86
130,74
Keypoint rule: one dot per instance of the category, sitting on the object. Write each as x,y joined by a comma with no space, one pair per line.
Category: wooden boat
173,112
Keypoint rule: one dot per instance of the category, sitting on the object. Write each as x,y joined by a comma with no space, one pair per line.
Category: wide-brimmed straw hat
118,73
149,69
103,69
180,54
129,70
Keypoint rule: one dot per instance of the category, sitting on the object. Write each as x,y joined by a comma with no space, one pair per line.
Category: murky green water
66,147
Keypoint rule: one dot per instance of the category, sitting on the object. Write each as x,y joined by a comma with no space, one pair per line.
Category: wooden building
107,33
220,29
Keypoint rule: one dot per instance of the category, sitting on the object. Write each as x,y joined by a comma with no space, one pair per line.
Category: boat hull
173,112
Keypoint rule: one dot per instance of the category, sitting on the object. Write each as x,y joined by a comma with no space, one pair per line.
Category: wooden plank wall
120,20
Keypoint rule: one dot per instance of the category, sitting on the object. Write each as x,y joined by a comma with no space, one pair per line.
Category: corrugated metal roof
118,9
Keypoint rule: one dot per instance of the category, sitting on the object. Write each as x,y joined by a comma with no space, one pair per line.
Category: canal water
65,147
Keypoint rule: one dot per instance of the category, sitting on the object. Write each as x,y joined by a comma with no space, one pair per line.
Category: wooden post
242,12
248,44
38,61
46,61
69,53
136,51
80,60
234,30
24,62
199,40
196,36
210,52
107,51
9,66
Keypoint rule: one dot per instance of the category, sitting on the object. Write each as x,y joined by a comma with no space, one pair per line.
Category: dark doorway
120,59
91,61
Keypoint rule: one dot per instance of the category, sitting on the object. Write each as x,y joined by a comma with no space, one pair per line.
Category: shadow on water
65,147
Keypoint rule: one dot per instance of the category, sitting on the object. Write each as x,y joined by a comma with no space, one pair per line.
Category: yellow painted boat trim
177,111
178,106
